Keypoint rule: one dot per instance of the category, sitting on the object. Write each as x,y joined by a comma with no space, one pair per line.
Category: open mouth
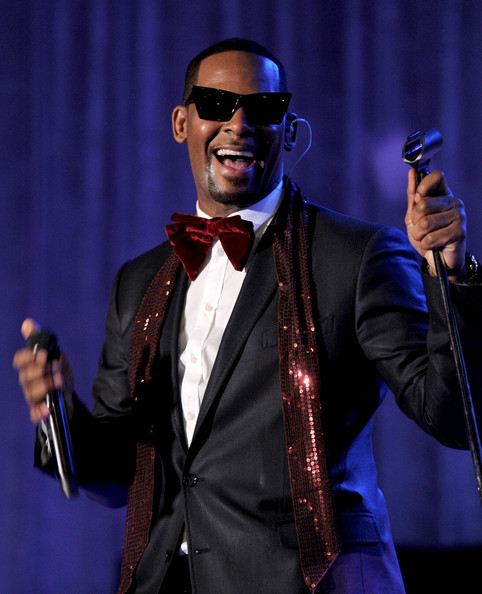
236,159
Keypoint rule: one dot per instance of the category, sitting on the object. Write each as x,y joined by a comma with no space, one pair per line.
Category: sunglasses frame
249,102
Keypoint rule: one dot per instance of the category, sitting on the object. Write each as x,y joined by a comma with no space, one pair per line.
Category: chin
240,199
236,192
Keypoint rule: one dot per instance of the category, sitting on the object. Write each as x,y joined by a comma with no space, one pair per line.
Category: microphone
417,152
57,424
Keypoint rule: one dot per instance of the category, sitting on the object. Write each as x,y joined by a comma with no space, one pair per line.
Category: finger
30,366
34,374
39,413
430,208
443,233
432,214
22,358
411,189
35,390
57,375
426,225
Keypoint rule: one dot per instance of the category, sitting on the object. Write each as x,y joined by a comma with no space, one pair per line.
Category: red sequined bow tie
192,238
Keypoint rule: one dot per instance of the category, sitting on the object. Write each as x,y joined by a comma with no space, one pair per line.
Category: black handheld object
417,151
57,424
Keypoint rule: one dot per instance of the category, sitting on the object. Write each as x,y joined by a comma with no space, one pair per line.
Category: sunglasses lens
263,109
215,105
266,109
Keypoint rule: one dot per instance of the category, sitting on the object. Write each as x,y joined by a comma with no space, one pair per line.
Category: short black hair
228,45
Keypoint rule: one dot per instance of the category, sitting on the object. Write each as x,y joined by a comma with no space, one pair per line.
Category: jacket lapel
170,334
250,304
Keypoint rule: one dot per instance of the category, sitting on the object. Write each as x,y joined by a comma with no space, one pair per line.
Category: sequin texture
300,388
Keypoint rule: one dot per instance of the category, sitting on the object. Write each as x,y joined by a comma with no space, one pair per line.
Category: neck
214,208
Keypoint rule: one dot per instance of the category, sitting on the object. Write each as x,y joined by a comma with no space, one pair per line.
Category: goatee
240,199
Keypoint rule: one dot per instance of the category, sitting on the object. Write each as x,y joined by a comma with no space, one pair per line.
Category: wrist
469,274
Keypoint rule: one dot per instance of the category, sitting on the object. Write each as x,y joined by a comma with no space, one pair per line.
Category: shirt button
190,416
189,480
208,307
193,358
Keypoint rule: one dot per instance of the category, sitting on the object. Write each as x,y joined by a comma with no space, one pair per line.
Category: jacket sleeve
103,440
412,352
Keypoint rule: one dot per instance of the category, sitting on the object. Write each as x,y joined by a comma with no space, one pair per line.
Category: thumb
435,184
442,188
29,326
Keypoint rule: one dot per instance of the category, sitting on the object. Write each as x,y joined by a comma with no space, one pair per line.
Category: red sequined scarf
300,390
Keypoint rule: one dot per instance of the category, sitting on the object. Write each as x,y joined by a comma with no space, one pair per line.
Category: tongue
237,163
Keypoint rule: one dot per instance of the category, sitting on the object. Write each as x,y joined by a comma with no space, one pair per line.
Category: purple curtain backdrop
90,175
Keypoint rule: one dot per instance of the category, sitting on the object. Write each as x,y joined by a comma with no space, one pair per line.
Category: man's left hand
436,219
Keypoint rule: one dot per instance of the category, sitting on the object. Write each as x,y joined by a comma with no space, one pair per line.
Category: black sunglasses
263,109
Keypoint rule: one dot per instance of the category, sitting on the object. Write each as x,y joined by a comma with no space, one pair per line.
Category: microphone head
44,340
420,148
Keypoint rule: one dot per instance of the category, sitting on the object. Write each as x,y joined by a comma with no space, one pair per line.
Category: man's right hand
37,376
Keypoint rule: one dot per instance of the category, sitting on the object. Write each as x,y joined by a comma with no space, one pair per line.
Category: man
237,402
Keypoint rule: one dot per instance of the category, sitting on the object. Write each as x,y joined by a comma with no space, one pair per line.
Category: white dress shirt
210,300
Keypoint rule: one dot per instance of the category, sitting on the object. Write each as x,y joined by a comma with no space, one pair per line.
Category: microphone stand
417,152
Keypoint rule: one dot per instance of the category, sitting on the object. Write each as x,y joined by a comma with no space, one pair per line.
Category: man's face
234,163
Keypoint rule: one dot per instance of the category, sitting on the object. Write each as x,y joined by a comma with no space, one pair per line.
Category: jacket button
189,480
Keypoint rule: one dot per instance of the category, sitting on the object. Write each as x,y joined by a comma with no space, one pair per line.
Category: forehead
239,72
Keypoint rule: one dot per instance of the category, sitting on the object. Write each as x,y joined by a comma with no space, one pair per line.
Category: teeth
234,153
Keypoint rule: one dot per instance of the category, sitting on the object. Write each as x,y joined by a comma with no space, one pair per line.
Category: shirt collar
259,212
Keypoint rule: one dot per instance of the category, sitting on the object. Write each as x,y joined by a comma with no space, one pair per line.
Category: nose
239,122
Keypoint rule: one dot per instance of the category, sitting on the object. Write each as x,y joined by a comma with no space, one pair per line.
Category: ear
290,131
179,124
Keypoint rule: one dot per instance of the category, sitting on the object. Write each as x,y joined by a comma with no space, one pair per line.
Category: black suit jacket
230,490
